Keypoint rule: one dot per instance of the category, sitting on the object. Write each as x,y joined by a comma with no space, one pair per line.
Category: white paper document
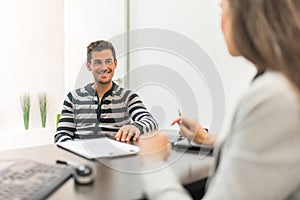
99,148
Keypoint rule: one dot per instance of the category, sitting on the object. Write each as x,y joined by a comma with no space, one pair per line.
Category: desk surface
117,178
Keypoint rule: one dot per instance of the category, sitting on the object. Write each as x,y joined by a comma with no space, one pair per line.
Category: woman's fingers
184,131
177,121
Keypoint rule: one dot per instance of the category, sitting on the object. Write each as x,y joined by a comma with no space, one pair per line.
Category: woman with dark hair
260,157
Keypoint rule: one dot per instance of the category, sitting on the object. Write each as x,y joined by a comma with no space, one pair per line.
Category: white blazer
260,158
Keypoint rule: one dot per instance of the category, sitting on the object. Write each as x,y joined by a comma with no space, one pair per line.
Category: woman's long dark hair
267,32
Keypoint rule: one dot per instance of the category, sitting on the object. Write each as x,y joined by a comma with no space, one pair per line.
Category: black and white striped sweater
84,115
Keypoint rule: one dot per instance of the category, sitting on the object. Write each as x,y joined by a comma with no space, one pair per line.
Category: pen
179,112
180,136
66,163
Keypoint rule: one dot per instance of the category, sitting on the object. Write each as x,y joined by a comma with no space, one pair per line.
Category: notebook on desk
99,148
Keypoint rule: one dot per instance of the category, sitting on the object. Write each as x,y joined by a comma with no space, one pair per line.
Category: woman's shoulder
271,79
272,85
269,95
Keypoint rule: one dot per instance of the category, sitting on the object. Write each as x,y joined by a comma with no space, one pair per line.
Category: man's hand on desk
126,132
154,147
194,131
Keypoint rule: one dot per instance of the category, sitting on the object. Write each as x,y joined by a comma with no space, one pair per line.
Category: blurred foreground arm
154,147
159,179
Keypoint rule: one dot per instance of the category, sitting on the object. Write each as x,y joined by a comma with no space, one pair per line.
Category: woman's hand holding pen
194,131
156,147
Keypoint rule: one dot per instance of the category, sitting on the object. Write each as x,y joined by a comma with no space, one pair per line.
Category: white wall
199,20
43,47
32,54
85,22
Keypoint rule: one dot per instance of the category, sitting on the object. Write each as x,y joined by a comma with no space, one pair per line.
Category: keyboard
24,179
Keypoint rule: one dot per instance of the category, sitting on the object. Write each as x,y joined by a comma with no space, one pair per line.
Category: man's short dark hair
99,45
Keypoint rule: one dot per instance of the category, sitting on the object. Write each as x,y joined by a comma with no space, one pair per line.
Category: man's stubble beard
104,82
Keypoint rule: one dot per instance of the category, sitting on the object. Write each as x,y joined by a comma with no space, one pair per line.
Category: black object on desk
182,143
83,174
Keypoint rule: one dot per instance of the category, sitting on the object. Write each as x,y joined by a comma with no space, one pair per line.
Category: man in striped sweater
102,107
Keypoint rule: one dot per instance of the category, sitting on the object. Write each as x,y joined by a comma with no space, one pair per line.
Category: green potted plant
43,108
25,103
